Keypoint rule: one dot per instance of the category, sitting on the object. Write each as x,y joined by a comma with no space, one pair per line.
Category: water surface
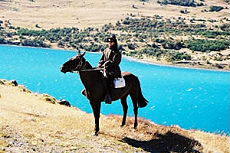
190,98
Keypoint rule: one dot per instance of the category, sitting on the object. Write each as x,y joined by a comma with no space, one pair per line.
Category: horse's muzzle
62,70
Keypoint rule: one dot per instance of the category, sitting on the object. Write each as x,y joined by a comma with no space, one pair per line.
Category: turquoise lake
190,98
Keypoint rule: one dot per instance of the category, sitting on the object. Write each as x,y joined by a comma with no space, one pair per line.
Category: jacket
111,60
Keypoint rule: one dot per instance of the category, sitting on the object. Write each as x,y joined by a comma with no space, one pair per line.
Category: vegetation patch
192,3
227,1
155,36
216,8
205,45
213,34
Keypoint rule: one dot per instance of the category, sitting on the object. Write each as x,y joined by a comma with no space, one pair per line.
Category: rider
110,61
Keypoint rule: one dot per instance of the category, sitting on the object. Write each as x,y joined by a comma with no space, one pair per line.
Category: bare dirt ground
94,13
31,122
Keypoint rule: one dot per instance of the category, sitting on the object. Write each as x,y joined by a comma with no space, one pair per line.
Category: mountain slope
95,13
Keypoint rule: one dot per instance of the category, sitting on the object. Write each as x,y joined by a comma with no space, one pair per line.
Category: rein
93,69
83,64
89,70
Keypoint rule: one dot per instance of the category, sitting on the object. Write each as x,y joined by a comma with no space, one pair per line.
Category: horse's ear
82,54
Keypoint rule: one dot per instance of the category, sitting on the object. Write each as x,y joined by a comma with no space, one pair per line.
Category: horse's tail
142,102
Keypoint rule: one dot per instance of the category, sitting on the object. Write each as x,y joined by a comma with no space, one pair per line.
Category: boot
106,84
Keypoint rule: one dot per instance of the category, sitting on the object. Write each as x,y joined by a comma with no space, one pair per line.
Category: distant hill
95,13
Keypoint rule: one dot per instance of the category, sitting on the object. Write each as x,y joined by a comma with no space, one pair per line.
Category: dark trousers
108,83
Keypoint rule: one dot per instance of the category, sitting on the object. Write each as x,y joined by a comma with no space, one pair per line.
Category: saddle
116,82
119,82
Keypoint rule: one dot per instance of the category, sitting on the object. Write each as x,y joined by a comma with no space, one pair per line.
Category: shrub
177,56
213,34
27,32
225,27
34,43
207,45
178,2
215,8
2,41
131,46
153,52
227,1
184,11
173,45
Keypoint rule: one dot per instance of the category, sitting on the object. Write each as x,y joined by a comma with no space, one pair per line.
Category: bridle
80,66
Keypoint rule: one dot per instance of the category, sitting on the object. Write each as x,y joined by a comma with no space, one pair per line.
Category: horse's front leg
96,106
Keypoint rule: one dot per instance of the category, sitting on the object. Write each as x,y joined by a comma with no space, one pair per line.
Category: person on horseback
110,61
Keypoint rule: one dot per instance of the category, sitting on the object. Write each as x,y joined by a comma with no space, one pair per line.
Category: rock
6,82
14,82
65,102
2,82
24,89
49,98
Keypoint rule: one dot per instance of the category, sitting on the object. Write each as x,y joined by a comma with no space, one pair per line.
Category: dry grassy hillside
31,122
94,13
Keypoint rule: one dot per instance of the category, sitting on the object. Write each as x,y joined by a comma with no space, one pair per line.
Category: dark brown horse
92,79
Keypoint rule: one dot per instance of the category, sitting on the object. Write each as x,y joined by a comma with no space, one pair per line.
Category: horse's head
76,63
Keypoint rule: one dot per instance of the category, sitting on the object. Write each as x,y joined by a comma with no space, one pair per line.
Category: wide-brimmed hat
112,38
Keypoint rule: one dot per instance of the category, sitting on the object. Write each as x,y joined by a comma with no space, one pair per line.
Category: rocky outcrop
50,99
44,97
64,102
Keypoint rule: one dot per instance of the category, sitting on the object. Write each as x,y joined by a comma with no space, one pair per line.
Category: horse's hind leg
135,108
125,108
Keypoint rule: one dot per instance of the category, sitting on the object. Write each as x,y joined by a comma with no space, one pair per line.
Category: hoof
122,125
96,133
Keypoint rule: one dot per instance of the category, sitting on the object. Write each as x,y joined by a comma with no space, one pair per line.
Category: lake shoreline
149,61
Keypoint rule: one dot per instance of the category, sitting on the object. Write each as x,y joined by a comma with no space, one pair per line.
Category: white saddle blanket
119,82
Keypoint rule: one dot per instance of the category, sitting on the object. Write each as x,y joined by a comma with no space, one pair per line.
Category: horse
92,79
